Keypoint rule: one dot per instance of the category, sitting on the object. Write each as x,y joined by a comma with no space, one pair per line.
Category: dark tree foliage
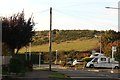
16,31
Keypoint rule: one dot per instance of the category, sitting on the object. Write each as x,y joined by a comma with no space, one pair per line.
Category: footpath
34,75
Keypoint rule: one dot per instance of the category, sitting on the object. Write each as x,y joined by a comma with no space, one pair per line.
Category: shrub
80,66
5,69
16,65
63,63
28,65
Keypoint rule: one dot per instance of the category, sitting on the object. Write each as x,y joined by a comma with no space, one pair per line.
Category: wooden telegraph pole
50,39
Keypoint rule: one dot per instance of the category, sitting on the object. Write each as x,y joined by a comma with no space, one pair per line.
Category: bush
63,63
16,65
5,69
79,66
28,65
86,59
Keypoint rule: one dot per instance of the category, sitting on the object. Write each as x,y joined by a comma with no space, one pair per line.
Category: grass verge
44,69
52,74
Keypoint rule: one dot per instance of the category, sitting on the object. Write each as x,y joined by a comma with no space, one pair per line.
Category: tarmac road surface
72,73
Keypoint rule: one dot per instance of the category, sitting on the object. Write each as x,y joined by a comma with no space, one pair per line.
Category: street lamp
114,47
112,8
118,14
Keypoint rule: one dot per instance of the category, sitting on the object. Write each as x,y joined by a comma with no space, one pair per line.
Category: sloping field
78,45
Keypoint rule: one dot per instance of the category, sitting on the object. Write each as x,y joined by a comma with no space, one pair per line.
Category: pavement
38,74
33,75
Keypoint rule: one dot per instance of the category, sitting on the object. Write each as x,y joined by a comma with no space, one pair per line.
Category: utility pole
100,42
56,58
50,39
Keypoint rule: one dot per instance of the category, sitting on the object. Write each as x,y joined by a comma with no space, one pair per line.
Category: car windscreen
95,60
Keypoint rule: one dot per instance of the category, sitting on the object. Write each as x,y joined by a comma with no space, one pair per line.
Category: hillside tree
110,38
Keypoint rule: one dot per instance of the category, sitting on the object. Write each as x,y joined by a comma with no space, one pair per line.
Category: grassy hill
78,45
58,36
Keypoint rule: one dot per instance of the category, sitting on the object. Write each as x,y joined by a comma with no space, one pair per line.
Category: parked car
69,61
78,62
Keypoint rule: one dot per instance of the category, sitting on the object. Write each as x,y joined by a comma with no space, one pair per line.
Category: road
85,74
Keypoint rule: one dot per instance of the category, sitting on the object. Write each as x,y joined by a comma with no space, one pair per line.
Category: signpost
114,49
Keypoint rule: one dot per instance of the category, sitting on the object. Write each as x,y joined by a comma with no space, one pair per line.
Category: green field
78,45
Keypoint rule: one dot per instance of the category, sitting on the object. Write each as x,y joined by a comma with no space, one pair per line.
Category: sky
66,14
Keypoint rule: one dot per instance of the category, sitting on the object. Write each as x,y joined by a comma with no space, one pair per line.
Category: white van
96,55
103,62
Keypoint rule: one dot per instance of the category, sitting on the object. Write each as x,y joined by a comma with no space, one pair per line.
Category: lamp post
118,13
114,47
112,8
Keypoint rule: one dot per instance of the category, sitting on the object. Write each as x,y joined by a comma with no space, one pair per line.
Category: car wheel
91,66
116,67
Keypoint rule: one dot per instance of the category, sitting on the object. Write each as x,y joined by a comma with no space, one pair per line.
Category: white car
77,62
69,62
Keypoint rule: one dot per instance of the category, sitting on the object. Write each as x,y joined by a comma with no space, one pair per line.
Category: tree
17,32
109,39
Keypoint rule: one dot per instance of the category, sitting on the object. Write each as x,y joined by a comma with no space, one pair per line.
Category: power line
40,12
69,14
